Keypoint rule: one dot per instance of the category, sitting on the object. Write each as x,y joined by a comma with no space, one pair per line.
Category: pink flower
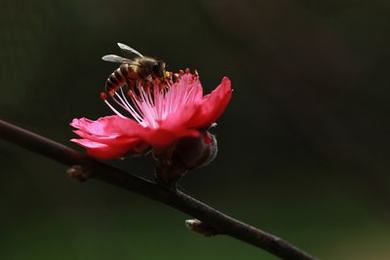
160,116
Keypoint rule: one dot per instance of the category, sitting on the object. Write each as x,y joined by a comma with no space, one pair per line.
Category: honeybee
141,68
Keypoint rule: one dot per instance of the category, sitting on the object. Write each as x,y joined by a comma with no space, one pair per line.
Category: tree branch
176,199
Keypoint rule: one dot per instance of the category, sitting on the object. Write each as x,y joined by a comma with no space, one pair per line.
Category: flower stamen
149,102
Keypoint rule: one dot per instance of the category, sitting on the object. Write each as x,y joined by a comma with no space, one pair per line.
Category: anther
112,92
168,74
103,95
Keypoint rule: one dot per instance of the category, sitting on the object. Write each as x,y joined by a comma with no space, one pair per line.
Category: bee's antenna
126,48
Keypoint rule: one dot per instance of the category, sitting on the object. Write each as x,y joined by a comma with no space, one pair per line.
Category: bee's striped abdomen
123,75
115,80
124,69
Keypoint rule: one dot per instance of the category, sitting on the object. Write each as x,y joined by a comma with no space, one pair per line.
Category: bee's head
151,67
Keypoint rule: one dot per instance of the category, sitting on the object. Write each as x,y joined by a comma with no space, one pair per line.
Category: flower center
150,102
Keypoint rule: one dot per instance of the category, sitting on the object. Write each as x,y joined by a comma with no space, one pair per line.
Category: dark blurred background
303,145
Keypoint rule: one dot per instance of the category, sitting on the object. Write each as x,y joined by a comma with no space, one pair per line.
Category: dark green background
303,146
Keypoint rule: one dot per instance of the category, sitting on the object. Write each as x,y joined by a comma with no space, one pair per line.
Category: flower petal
213,105
161,137
108,137
104,151
108,126
109,140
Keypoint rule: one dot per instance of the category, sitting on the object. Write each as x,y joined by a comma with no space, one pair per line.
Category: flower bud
186,154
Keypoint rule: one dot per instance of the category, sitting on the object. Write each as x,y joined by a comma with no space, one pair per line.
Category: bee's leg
149,79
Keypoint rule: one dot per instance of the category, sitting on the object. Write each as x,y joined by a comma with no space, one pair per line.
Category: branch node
199,227
79,173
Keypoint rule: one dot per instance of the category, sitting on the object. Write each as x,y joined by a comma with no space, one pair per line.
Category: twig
221,222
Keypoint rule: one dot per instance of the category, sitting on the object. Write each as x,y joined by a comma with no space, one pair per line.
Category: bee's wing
115,58
128,49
